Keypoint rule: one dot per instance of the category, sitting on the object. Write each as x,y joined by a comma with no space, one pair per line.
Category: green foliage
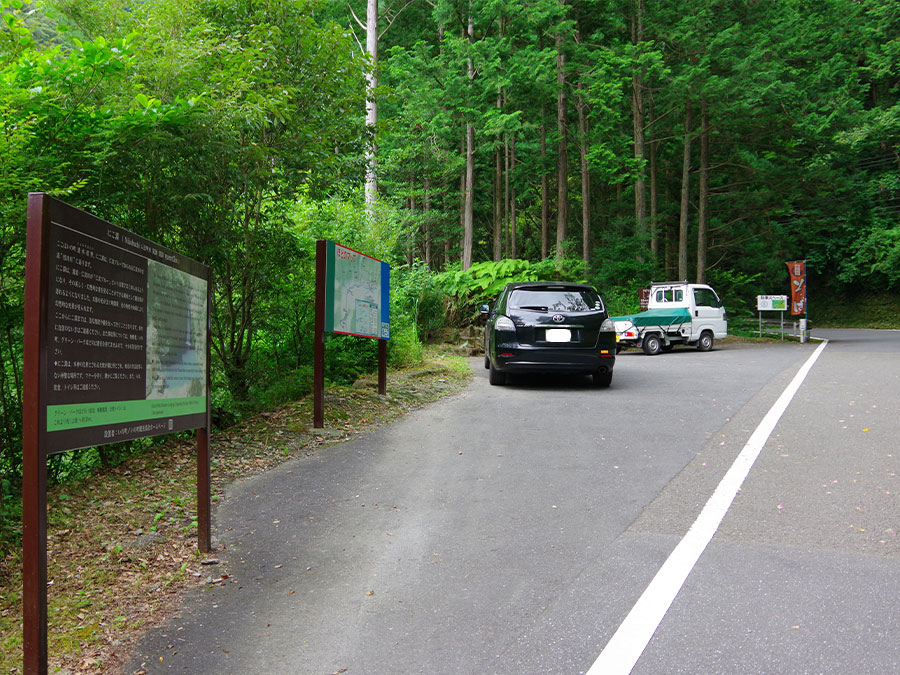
483,281
416,300
854,310
624,299
614,264
738,291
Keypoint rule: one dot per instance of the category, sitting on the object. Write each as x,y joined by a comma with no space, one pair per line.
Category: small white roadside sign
771,303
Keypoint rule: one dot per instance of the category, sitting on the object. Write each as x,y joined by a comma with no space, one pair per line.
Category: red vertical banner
797,271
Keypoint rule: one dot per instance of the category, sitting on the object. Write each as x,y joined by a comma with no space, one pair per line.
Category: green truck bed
658,317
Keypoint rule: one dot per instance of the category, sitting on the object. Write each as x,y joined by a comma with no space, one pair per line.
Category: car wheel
602,380
705,343
496,377
487,361
652,345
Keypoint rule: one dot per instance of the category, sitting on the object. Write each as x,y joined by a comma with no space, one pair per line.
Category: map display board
357,292
124,339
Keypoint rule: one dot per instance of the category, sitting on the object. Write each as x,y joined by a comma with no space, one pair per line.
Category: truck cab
678,312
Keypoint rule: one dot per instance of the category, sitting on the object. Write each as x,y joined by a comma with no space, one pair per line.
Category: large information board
357,289
116,347
125,350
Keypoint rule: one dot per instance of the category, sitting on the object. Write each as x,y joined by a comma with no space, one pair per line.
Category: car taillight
504,323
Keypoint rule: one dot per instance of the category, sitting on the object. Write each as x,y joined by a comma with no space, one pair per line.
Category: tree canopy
615,142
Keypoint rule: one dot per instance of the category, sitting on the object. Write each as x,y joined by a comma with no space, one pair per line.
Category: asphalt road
512,529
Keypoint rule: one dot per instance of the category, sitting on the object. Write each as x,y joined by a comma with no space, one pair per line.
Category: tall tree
371,190
638,117
469,204
703,200
562,153
683,222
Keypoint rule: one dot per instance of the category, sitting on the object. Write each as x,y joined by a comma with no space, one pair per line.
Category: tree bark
685,194
637,106
585,178
411,240
506,197
702,211
498,190
371,189
562,157
654,203
513,231
462,200
468,222
427,223
545,196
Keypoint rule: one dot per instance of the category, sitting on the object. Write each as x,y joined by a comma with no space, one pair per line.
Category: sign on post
771,303
352,298
116,348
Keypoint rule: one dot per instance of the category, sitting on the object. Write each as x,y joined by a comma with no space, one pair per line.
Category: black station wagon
547,327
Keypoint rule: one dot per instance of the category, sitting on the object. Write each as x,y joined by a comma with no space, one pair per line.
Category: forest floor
122,544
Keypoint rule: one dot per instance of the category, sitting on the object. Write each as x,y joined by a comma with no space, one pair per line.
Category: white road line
626,646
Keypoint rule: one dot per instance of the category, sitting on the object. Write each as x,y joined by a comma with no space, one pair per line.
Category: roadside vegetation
589,140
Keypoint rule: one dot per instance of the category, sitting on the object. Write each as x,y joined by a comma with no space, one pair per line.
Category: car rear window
555,300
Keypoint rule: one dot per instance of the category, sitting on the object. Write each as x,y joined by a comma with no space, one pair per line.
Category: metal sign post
116,348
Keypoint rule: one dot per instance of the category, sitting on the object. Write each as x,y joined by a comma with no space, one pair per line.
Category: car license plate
558,335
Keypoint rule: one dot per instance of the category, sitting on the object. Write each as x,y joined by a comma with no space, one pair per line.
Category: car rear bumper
521,359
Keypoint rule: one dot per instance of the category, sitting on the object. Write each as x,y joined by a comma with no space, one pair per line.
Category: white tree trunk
371,193
468,214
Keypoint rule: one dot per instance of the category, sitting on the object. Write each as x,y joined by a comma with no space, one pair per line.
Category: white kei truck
678,313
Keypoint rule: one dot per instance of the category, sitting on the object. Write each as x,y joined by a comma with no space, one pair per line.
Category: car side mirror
485,309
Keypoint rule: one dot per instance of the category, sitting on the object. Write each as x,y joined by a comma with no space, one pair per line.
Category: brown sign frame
97,308
323,289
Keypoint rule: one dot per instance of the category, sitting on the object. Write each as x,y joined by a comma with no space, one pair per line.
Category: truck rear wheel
705,343
651,345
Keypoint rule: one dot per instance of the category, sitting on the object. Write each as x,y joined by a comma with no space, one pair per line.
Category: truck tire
651,344
705,343
496,377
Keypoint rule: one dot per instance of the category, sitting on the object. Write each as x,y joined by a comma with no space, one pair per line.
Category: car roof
549,285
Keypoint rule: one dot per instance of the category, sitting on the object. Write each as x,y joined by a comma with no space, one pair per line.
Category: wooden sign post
116,348
352,298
